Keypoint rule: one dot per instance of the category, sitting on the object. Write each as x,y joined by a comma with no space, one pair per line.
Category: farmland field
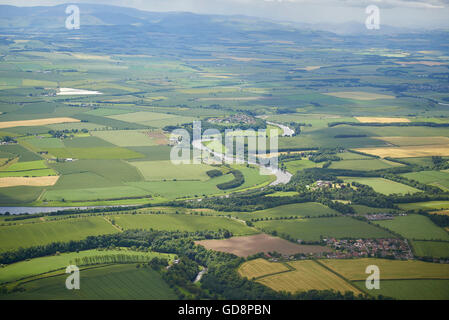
246,246
182,222
383,186
308,209
92,117
435,178
390,269
434,249
117,282
416,227
37,266
412,289
371,164
358,95
305,275
260,267
313,229
26,235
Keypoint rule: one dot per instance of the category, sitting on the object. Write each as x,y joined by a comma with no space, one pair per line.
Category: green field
434,249
313,229
181,222
94,153
370,164
116,282
166,170
435,178
416,227
37,266
354,269
28,235
383,186
305,210
411,289
296,165
427,205
126,138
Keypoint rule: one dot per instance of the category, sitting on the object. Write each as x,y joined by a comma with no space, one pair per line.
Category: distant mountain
105,15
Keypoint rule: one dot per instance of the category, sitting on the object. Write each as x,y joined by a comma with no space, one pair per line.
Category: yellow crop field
442,213
36,122
408,151
28,181
359,95
308,275
354,269
381,119
260,267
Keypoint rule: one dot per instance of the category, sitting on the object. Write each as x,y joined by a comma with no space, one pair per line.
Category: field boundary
340,276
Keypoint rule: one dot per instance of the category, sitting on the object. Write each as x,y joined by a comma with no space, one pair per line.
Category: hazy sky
405,13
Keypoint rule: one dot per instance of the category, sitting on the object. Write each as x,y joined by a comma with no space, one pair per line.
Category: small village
379,248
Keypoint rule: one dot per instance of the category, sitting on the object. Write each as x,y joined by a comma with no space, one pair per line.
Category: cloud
431,4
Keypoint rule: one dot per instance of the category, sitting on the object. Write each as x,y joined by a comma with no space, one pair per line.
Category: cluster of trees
220,282
214,173
65,133
238,180
7,139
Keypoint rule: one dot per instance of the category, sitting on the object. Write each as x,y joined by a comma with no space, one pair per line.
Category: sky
417,14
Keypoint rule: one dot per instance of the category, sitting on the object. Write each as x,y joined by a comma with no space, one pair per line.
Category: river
282,177
31,210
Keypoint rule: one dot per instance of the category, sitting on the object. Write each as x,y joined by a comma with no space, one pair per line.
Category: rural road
287,132
200,275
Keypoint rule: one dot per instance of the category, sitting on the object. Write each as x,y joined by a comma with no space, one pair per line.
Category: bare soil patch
249,245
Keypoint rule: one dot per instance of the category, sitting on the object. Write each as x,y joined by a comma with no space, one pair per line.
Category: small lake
31,210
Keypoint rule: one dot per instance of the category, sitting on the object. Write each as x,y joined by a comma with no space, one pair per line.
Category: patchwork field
314,229
28,181
381,120
116,282
415,226
27,235
246,246
354,269
438,179
412,289
166,170
126,138
435,249
359,95
35,122
261,267
303,275
369,164
37,266
305,210
383,186
426,205
408,152
181,222
297,165
415,141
